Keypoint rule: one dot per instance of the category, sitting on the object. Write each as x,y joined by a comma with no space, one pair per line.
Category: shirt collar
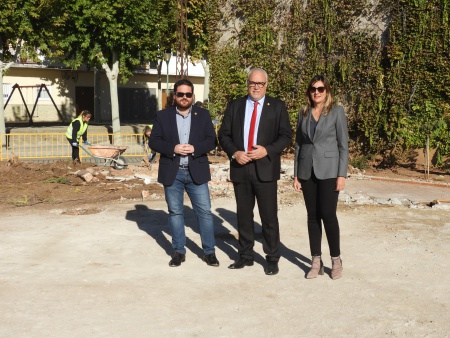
260,101
190,109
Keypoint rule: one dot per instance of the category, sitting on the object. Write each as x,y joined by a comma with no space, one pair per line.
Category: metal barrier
55,145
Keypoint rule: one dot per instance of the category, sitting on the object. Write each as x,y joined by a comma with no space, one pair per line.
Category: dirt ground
50,185
91,259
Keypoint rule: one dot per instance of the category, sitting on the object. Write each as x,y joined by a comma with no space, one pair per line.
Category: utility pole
158,67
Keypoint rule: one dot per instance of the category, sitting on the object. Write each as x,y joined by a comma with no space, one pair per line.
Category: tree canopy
86,32
388,62
17,37
114,34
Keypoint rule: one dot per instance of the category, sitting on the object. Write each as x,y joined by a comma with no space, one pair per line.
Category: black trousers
265,193
75,151
321,200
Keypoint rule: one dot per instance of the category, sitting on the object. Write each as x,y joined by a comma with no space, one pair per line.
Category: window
44,95
6,91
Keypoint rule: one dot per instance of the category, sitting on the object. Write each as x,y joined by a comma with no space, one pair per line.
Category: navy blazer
274,133
327,151
164,138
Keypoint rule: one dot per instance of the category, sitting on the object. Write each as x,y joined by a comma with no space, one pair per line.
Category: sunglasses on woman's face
312,90
180,95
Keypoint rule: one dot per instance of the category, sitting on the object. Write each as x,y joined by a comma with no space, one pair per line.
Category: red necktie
251,133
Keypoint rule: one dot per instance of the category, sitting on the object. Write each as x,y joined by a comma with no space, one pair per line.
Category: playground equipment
30,116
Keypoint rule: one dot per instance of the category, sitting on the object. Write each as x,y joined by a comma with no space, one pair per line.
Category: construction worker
76,130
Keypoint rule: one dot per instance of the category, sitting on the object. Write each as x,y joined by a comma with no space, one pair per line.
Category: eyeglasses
180,95
256,84
312,90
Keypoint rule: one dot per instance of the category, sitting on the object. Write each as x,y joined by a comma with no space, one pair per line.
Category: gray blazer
327,151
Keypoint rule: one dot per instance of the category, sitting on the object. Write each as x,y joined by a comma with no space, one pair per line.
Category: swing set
30,116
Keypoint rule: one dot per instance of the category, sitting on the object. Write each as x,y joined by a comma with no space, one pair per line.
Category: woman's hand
296,185
340,183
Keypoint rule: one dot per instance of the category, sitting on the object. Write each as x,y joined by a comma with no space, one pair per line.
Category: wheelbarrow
110,154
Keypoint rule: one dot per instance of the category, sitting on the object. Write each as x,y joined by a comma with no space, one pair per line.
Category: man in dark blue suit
255,130
183,135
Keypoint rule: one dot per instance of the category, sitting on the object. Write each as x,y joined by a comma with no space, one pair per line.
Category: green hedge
388,64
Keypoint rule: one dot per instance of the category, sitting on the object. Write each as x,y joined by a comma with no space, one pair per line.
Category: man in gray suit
255,130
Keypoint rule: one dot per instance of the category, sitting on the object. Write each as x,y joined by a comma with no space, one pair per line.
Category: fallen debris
85,175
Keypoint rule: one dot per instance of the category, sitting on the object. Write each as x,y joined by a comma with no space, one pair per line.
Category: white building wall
62,86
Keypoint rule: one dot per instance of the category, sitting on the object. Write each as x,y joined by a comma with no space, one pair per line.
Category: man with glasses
183,135
255,130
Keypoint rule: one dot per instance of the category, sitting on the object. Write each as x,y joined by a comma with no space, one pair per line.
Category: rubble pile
220,185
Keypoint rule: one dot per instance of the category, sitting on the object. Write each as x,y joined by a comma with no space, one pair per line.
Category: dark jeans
265,193
321,200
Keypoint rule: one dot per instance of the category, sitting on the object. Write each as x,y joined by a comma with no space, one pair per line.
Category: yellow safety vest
81,131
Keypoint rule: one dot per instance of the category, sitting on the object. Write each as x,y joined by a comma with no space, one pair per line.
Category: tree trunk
3,68
113,75
427,158
206,80
159,85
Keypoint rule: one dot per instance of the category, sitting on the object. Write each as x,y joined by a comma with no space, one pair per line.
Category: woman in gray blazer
320,169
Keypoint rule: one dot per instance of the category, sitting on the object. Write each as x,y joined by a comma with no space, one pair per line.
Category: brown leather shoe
211,260
177,259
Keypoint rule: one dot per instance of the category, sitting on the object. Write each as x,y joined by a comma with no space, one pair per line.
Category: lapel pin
268,103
